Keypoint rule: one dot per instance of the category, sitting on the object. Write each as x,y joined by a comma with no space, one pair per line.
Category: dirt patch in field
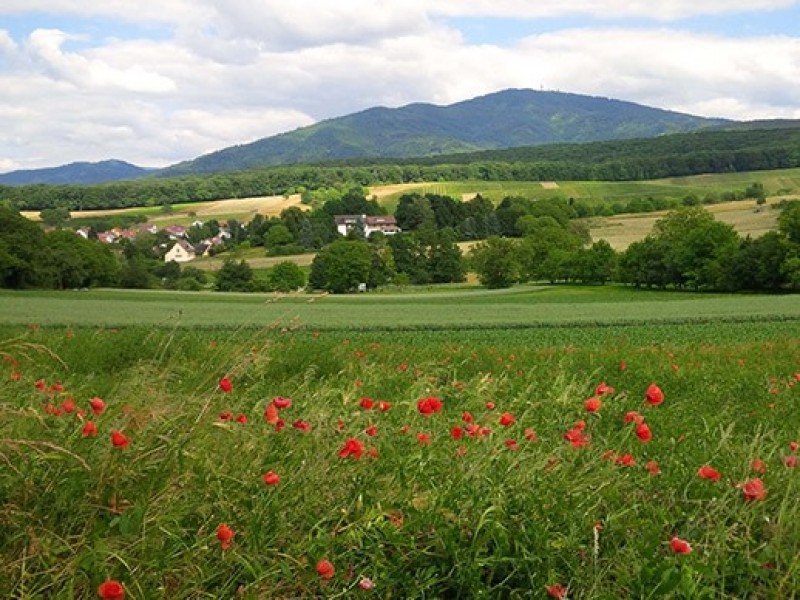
550,185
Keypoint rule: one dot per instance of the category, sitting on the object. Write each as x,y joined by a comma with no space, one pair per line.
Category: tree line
523,240
716,151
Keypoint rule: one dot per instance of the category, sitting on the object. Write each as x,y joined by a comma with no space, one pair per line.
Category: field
242,209
539,442
745,216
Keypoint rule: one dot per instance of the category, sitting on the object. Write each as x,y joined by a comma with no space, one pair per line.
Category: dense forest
708,151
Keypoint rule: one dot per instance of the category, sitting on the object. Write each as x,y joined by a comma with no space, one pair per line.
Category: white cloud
663,10
235,71
44,50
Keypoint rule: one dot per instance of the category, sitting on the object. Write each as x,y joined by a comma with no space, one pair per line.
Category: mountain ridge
499,120
76,172
508,118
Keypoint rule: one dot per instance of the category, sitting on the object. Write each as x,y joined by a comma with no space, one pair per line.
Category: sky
155,82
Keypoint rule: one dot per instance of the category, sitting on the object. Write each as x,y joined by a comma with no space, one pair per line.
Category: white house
386,224
182,251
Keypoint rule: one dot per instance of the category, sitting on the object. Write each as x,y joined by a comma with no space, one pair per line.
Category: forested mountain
77,172
503,119
706,151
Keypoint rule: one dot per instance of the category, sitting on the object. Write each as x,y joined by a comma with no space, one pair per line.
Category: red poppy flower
633,417
758,466
652,467
111,590
507,419
280,402
271,478
119,439
512,444
40,384
325,569
707,472
580,425
530,434
490,405
654,395
56,388
603,389
225,415
352,447
467,417
575,437
556,591
302,425
89,429
225,535
473,429
280,424
225,385
271,413
622,365
68,405
367,403
51,409
456,433
593,404
680,546
794,446
643,432
384,406
790,461
371,431
429,405
423,438
625,460
15,376
754,490
97,405
242,419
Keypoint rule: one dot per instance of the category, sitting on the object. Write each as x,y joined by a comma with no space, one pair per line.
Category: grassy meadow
400,445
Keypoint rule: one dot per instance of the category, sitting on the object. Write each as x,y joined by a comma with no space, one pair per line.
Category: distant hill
76,173
503,119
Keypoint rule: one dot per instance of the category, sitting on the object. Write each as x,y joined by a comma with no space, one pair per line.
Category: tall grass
474,517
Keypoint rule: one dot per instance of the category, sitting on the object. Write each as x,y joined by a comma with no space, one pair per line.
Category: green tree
54,217
789,221
496,263
446,263
285,277
341,266
234,277
21,245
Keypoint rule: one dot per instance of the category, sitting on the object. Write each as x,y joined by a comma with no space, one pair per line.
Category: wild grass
473,517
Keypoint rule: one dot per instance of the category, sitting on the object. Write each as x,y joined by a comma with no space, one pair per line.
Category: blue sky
159,82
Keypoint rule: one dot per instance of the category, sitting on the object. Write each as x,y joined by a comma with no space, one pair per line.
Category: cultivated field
260,458
232,208
745,216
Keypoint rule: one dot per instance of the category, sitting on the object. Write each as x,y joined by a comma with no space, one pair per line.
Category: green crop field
569,442
459,308
780,182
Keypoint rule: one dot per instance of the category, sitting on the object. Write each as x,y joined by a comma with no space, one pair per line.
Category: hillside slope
503,119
